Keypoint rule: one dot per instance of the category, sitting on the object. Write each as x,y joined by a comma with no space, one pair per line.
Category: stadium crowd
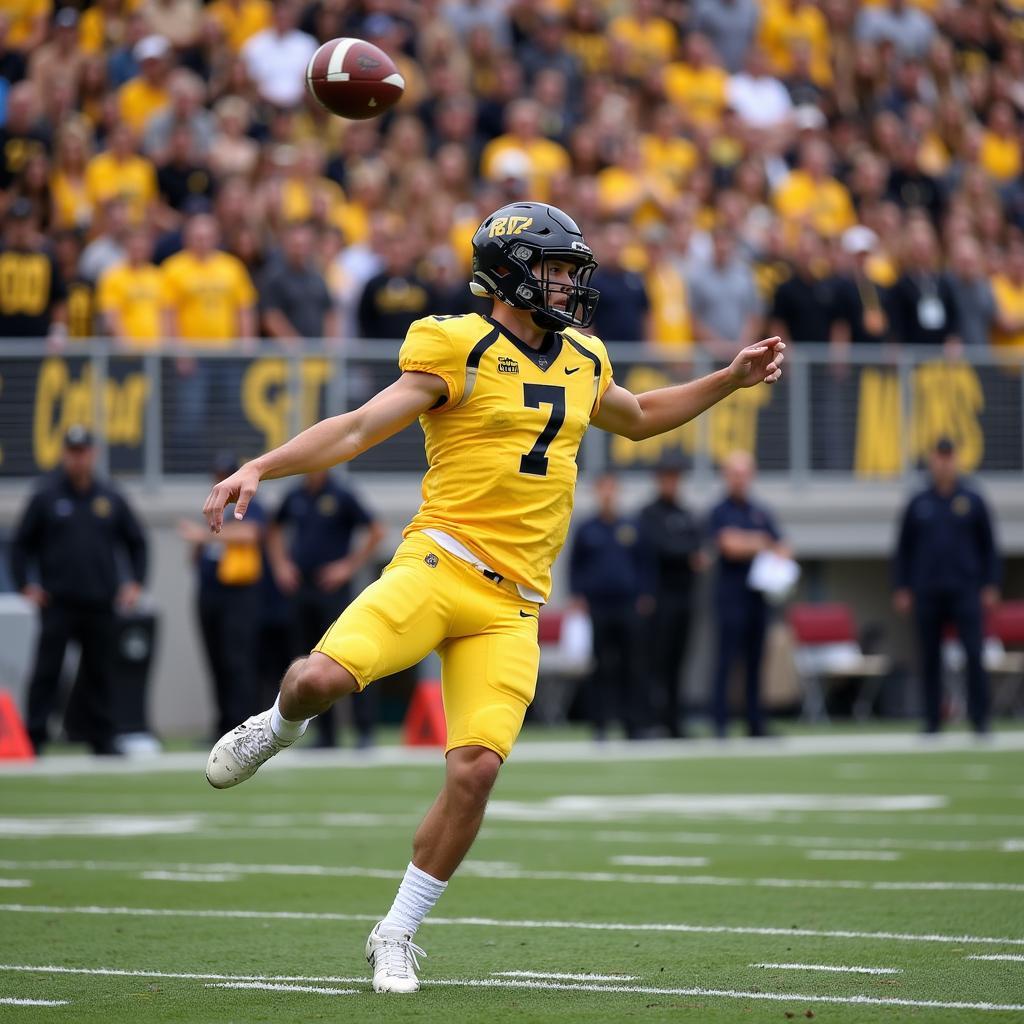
831,171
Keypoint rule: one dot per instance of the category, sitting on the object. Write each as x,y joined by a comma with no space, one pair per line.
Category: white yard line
14,883
497,872
626,861
835,968
265,986
1014,957
13,1001
564,977
189,876
545,752
491,922
886,855
524,983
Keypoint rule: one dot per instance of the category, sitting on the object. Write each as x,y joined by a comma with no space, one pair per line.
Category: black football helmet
511,252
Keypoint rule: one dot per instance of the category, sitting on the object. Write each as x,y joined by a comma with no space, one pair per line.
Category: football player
504,401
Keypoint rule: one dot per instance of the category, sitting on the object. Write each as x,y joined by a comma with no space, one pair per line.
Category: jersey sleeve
603,375
428,348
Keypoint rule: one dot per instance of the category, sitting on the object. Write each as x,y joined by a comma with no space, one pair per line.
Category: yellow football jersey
501,450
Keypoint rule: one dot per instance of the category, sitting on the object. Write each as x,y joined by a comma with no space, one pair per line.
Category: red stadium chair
1002,655
828,651
559,675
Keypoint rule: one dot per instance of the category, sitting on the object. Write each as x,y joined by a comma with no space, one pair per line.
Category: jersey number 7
535,460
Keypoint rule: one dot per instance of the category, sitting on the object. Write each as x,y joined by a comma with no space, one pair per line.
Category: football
353,78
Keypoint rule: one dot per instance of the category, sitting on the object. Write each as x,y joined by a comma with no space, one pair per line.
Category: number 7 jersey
501,449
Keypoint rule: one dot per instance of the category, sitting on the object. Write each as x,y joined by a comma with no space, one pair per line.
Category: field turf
844,878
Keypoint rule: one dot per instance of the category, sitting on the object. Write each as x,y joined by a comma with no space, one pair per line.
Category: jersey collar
544,357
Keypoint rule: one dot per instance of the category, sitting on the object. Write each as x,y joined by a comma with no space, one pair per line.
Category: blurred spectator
79,556
132,296
610,578
27,26
80,303
209,293
315,565
240,20
624,310
1008,289
232,151
69,193
294,300
921,306
730,26
184,109
398,295
810,196
32,291
760,99
946,571
547,52
141,97
724,303
178,21
544,158
739,528
859,314
102,27
60,56
121,65
228,569
23,134
804,304
669,321
276,57
972,293
904,25
119,171
647,39
794,32
183,175
671,534
111,226
697,85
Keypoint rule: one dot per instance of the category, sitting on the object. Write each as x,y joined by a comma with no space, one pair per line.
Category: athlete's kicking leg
311,685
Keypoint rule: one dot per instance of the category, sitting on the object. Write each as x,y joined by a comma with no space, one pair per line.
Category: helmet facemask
537,291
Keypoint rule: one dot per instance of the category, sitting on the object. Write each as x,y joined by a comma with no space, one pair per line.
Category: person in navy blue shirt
314,568
228,570
740,529
946,570
611,577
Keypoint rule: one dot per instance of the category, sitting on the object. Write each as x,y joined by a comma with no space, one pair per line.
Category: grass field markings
957,820
15,883
767,839
555,976
281,984
875,855
492,922
616,807
495,871
1013,957
97,825
265,986
14,1001
189,876
834,968
640,861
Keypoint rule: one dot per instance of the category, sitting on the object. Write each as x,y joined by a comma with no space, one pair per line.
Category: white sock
416,897
285,731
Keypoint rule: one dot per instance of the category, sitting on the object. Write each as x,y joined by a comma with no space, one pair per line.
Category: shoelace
251,744
398,954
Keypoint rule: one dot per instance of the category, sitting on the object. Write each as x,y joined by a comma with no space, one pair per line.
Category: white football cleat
394,963
237,754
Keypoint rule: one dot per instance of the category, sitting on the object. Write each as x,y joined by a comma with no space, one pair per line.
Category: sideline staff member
316,572
946,569
74,531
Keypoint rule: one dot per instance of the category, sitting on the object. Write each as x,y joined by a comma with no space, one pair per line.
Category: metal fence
165,414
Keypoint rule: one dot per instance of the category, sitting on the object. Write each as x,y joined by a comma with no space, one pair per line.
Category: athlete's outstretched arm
653,412
325,444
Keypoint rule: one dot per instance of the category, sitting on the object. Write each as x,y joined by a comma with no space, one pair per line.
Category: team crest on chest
506,364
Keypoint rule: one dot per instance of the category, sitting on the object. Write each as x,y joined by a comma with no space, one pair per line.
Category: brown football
353,78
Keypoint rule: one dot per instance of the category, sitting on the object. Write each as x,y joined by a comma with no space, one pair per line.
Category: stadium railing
163,415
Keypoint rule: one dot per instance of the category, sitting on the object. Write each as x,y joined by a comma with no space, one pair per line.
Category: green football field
841,877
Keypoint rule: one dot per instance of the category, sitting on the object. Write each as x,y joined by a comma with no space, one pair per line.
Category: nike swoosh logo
573,370
523,615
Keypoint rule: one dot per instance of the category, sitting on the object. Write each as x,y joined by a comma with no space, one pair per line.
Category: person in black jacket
946,569
922,309
65,559
672,534
610,576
